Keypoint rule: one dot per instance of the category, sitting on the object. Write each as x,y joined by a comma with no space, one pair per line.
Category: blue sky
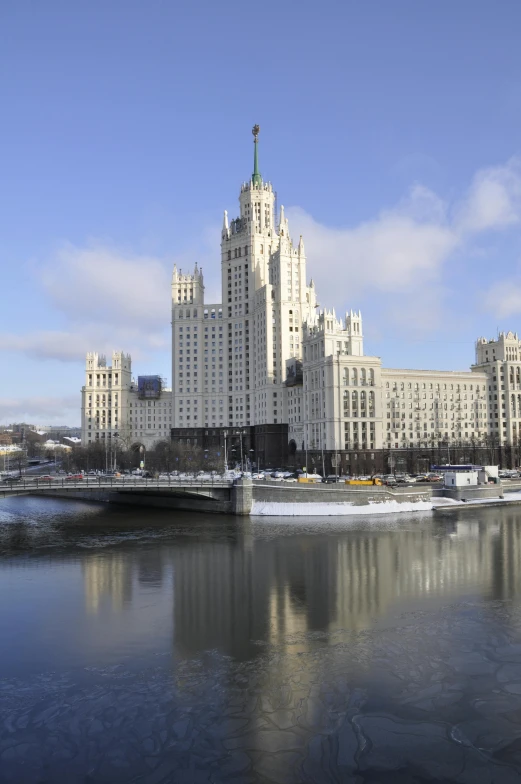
390,131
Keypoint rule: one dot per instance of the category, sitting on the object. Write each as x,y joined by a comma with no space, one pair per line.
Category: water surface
152,646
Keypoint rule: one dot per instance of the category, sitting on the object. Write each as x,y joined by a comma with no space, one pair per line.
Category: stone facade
266,361
111,406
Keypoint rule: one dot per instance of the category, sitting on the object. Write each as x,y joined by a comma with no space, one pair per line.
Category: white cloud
109,298
399,254
109,286
64,346
504,298
41,410
402,252
493,200
386,253
71,346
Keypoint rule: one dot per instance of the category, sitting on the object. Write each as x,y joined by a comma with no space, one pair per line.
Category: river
155,647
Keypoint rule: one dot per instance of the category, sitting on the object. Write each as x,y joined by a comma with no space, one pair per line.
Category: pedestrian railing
93,482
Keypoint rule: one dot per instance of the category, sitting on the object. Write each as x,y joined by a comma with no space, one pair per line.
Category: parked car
73,477
45,478
14,478
332,479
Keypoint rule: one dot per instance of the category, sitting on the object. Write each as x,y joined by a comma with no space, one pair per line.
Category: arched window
354,376
346,377
363,401
371,404
363,376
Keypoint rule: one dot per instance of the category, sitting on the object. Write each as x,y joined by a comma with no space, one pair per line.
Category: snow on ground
276,509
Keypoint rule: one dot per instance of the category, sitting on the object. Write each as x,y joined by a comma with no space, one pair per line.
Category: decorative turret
354,328
226,228
187,289
96,361
283,224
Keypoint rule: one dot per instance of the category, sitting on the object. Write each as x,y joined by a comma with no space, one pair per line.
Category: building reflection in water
227,597
107,577
231,592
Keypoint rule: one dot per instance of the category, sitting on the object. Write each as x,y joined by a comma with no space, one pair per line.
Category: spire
225,221
301,246
256,176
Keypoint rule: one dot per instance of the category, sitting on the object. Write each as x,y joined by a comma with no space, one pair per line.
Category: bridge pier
242,496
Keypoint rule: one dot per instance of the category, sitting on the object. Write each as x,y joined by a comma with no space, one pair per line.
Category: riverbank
376,506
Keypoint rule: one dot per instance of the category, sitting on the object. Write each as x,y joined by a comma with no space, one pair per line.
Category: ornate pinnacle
256,177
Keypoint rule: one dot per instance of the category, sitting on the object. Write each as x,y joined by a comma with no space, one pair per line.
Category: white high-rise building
265,371
500,361
229,358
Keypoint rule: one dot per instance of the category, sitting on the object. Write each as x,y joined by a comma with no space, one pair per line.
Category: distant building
115,406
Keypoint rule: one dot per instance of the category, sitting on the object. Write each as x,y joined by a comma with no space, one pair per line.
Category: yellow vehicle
371,482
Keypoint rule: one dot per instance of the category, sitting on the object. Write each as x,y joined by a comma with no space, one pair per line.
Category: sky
390,131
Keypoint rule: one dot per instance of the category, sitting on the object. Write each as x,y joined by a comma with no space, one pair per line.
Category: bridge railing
34,483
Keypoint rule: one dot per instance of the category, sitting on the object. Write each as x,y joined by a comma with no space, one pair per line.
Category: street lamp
252,456
116,436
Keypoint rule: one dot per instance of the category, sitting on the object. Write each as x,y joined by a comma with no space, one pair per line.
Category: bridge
205,495
235,497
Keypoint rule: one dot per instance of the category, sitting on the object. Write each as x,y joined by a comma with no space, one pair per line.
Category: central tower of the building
256,328
265,299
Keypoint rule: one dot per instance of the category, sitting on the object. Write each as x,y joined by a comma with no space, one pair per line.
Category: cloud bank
404,250
108,298
40,410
